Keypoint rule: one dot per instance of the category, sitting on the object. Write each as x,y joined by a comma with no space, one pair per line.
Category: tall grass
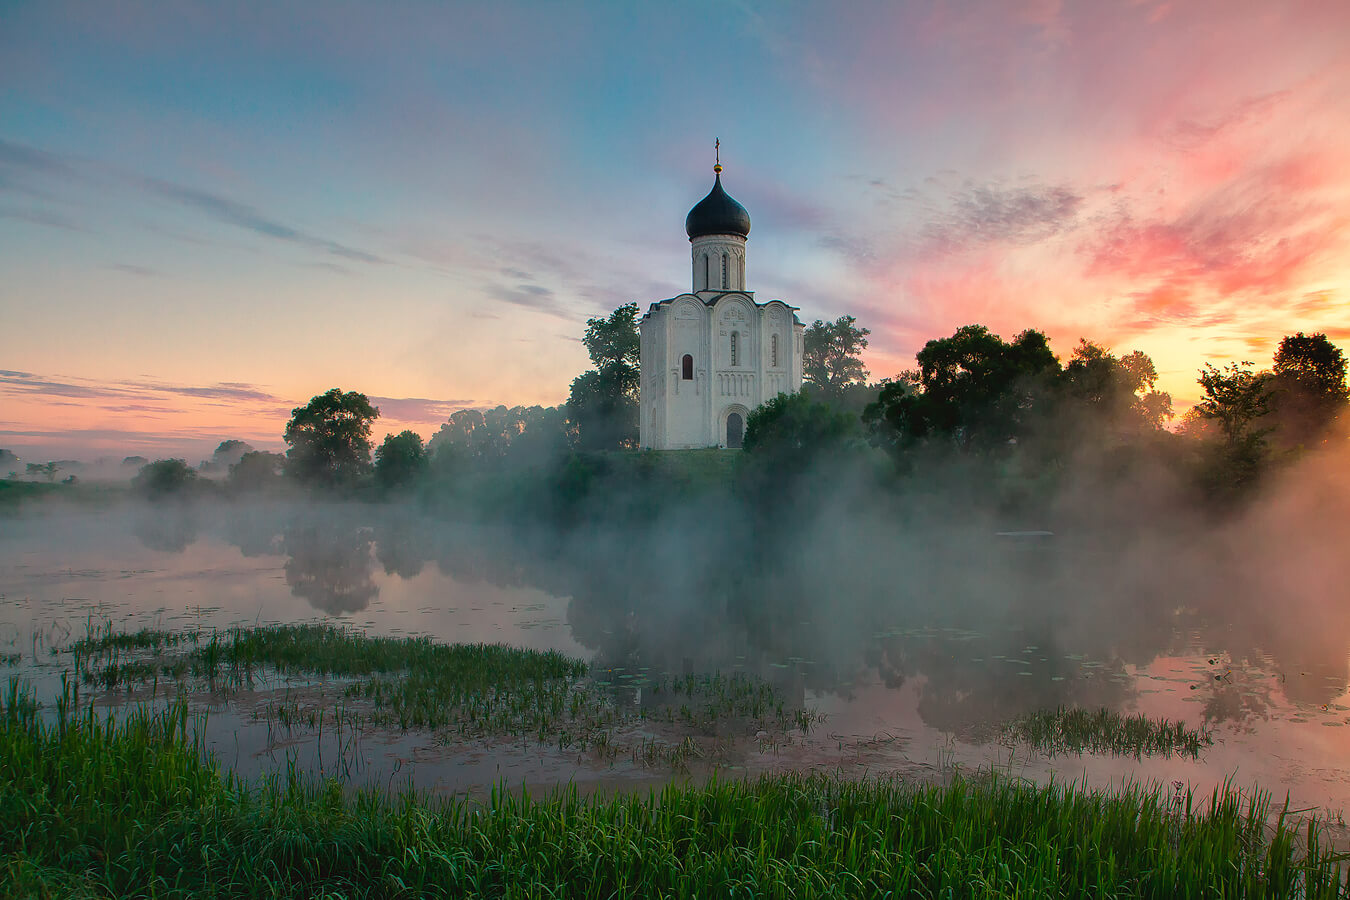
1106,731
132,807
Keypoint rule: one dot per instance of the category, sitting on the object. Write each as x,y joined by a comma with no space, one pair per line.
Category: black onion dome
717,213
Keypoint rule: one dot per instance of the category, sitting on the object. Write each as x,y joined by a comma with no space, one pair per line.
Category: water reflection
169,529
330,564
979,629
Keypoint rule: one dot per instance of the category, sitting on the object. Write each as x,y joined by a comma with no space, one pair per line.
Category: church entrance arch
732,432
735,431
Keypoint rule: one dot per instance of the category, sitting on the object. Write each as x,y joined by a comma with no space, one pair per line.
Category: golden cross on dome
717,156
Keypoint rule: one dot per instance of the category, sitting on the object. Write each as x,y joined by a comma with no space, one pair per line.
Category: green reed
465,691
131,806
1105,731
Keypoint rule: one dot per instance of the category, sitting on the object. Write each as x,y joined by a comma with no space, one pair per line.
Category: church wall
678,413
777,350
686,399
652,347
738,377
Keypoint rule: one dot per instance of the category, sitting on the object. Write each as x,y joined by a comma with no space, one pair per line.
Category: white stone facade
711,356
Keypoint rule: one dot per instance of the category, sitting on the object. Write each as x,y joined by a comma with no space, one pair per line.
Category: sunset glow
209,213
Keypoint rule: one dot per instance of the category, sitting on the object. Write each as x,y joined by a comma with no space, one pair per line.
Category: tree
792,428
521,435
1314,362
1117,393
400,459
1236,398
329,438
47,470
830,357
798,454
257,470
604,401
164,478
226,455
972,389
1308,388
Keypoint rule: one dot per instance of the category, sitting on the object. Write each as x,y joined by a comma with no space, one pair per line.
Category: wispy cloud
530,296
976,214
1256,237
32,159
42,217
133,269
27,383
21,383
417,409
241,215
20,164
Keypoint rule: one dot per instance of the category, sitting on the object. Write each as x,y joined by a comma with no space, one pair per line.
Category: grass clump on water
458,690
1105,731
132,806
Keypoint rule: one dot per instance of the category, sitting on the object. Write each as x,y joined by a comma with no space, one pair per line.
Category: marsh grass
132,806
1105,731
459,691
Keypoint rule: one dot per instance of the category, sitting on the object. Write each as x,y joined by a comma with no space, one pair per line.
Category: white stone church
712,355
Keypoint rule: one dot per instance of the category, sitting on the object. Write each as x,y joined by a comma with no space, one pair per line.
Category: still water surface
910,684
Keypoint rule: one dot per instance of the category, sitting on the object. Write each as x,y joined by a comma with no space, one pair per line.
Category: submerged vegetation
96,806
1105,731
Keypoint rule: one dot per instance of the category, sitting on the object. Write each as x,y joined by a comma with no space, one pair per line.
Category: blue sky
210,212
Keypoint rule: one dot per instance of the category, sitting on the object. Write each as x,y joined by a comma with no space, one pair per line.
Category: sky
211,212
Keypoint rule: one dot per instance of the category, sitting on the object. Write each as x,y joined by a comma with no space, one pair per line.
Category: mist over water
919,620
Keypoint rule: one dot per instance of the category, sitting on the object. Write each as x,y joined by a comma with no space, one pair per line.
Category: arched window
687,368
707,272
773,350
733,348
724,272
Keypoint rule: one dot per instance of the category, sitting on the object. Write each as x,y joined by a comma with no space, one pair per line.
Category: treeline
1005,420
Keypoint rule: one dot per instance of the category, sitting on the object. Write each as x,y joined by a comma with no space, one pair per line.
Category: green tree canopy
520,434
400,459
603,401
972,388
793,427
831,360
329,438
796,450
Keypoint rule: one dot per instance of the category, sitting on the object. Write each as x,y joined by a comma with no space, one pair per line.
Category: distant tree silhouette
164,478
1308,389
1116,394
226,454
256,471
